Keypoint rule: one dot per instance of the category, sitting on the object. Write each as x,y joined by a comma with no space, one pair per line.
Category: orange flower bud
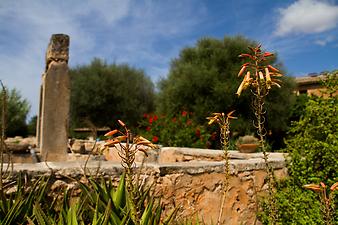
242,70
322,184
111,133
334,187
244,55
273,69
312,187
267,54
121,123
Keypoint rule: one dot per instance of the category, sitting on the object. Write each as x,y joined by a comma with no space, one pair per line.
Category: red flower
155,118
155,139
174,119
189,122
184,113
150,120
148,128
198,133
145,115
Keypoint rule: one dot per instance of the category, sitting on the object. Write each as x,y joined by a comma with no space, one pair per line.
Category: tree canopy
101,94
17,109
203,79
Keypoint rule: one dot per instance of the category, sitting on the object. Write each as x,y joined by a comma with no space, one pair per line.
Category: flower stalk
265,76
327,200
127,147
223,122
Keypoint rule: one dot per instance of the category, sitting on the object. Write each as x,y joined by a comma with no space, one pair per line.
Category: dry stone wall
190,179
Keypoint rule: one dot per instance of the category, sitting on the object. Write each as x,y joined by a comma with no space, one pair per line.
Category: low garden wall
187,178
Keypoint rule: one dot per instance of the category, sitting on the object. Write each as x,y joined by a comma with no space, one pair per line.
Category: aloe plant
113,205
99,203
17,206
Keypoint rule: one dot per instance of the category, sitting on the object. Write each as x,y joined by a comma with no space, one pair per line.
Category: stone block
53,119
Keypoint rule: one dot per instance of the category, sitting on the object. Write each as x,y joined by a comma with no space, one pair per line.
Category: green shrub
177,131
313,156
295,206
313,142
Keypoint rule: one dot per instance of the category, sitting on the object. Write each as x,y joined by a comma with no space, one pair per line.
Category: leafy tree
203,79
17,110
102,94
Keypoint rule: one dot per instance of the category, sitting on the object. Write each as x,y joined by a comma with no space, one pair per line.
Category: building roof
309,80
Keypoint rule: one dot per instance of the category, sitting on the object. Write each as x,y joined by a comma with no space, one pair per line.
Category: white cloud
307,16
117,30
324,41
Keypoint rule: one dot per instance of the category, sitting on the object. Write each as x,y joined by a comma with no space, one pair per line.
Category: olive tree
101,94
203,79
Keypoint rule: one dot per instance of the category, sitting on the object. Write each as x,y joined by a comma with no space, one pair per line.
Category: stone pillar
52,133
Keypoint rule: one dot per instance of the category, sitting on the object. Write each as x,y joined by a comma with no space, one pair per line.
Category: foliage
295,206
203,79
99,203
17,111
112,205
313,142
31,127
313,157
16,206
298,109
101,93
177,131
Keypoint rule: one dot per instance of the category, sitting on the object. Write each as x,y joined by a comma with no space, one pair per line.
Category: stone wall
188,178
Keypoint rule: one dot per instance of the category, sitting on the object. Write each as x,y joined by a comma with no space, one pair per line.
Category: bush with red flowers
178,131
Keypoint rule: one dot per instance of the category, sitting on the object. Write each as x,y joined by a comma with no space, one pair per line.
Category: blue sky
149,34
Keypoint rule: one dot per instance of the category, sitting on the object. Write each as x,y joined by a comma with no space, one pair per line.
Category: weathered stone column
52,133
